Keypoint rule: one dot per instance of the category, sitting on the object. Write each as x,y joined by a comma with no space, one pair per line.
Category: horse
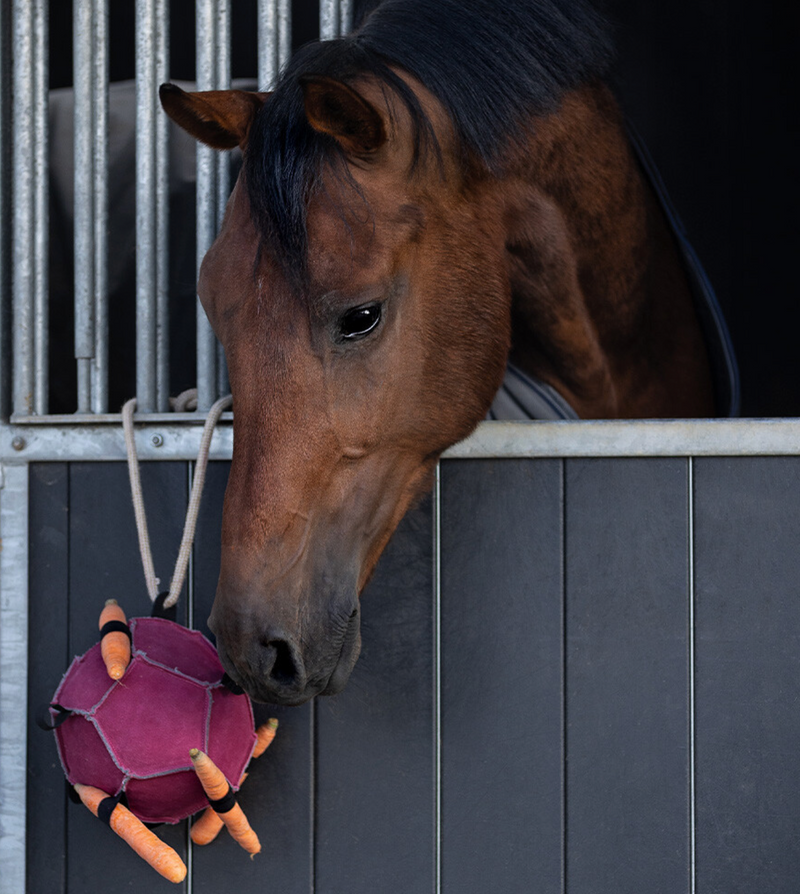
448,188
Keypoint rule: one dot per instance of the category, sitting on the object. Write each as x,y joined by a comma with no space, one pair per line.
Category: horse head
356,357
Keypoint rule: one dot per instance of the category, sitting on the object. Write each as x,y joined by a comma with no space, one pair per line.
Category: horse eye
359,321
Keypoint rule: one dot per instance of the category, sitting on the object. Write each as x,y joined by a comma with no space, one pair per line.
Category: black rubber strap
228,683
169,614
106,807
116,627
44,719
225,803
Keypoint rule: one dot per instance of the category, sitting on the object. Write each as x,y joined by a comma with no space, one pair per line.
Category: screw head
19,443
157,440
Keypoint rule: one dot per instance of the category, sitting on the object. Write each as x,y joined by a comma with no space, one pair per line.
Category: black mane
491,63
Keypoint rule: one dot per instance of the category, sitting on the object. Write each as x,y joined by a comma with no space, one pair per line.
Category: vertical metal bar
84,247
267,30
437,681
100,164
274,40
22,188
29,275
151,208
41,204
146,264
223,159
5,214
208,14
345,16
328,19
161,75
284,47
13,673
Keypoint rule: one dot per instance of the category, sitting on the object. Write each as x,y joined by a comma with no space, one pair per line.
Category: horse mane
491,64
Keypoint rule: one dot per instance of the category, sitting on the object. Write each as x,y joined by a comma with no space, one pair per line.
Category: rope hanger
193,509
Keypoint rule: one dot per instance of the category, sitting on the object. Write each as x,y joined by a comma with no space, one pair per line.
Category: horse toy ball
149,730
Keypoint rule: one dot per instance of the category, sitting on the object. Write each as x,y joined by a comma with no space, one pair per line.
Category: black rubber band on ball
116,627
225,803
106,807
230,684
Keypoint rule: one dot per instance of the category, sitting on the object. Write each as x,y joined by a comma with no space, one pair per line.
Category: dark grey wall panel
747,533
374,755
105,563
277,794
627,652
502,676
48,656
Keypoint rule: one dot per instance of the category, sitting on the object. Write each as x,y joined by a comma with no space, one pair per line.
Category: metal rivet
18,443
157,440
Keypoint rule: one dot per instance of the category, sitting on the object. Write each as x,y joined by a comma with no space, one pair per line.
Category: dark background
712,87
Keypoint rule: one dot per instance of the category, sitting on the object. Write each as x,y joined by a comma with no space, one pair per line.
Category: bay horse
448,187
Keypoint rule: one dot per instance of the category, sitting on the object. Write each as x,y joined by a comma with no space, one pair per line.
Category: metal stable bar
207,12
151,199
65,438
90,37
328,19
30,215
223,160
5,215
274,40
335,18
99,384
41,206
161,65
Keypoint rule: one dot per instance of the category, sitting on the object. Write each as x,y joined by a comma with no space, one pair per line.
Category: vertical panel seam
437,682
563,464
691,683
312,869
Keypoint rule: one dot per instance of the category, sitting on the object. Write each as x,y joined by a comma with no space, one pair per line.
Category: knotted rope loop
193,509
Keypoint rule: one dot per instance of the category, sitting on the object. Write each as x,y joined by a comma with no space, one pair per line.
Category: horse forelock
492,66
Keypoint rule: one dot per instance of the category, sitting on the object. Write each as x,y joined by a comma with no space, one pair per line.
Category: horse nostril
286,670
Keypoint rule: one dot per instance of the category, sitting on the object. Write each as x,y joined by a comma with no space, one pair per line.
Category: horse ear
339,111
219,118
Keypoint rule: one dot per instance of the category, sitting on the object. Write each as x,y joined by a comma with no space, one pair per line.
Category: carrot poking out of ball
265,734
134,833
206,828
115,645
216,787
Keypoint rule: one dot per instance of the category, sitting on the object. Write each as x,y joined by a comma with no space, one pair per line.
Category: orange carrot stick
216,786
115,646
206,828
147,845
265,734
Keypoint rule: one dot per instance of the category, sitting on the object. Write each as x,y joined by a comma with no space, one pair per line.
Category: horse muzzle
275,666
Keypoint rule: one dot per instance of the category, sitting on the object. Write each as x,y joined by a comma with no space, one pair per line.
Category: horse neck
601,308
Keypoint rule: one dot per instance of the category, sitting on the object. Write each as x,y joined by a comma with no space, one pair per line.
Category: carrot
207,827
265,734
115,646
133,831
216,786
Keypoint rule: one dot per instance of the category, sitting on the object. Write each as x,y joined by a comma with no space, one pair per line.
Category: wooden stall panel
277,794
502,669
627,657
374,753
747,578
